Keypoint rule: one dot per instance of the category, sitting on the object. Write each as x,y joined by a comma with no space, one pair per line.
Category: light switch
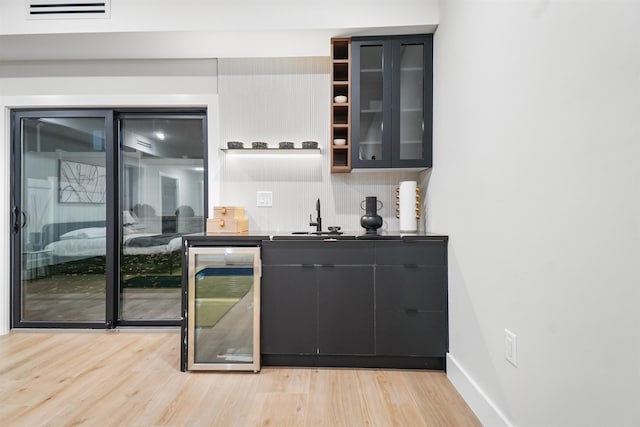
264,199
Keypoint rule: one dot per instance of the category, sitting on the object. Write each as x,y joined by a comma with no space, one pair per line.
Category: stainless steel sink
315,235
318,233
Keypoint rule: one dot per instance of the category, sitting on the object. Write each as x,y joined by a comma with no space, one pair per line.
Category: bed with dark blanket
79,247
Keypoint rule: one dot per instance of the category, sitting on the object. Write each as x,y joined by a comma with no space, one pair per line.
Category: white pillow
85,233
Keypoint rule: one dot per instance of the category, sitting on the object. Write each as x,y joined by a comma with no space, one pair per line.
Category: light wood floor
132,378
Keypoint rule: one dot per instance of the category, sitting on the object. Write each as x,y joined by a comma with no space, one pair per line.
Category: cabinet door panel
289,310
401,333
432,252
411,288
371,131
412,100
346,310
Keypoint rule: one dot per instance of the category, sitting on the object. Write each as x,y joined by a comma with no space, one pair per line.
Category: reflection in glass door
60,217
162,166
97,216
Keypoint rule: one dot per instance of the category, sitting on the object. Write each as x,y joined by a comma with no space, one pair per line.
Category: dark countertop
248,237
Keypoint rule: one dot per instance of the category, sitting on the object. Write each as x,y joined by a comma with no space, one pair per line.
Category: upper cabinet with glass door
392,102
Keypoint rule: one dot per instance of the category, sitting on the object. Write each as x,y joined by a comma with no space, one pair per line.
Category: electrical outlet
511,347
264,199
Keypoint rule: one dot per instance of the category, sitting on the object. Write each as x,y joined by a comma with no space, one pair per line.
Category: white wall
288,99
124,83
536,180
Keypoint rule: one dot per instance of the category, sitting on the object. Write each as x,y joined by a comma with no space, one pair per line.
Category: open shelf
341,112
271,150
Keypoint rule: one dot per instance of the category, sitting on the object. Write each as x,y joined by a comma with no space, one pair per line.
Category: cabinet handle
308,265
411,311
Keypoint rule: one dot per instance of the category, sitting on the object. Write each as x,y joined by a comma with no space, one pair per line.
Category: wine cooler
222,316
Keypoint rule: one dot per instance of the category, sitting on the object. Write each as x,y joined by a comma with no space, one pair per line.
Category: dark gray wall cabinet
392,99
355,303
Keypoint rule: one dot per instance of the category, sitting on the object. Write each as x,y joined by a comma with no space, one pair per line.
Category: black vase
371,221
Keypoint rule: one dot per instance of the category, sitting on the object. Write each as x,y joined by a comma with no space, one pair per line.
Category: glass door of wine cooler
223,308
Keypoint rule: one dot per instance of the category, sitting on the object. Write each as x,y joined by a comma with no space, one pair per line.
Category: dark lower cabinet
411,298
411,311
355,303
317,298
345,310
289,310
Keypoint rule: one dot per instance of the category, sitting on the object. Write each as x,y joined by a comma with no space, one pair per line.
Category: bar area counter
335,300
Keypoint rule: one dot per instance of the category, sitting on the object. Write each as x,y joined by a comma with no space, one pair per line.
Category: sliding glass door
100,201
60,217
162,181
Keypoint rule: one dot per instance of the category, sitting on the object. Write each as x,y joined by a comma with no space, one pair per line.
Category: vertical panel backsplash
288,99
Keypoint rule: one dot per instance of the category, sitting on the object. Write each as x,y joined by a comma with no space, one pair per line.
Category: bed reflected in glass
161,199
63,190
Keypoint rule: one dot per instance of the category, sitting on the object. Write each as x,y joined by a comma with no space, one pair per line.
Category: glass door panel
60,219
411,102
371,103
162,198
223,331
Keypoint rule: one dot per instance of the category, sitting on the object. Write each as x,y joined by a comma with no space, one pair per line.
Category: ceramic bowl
235,144
340,99
310,144
286,145
259,145
339,141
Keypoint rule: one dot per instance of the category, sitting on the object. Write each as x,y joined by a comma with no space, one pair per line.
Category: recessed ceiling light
160,135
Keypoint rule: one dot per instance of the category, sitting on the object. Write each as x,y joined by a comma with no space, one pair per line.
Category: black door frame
112,163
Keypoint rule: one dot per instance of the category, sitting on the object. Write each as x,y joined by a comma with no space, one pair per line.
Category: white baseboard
486,411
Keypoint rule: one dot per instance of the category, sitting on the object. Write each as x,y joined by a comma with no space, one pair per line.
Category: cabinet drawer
407,288
411,334
317,253
423,252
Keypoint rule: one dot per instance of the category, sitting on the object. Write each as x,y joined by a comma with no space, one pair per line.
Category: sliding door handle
15,219
19,219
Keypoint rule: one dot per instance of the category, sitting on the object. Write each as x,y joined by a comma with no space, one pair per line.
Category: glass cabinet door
392,102
412,103
371,112
223,308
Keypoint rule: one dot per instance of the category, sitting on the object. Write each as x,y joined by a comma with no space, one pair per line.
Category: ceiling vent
68,9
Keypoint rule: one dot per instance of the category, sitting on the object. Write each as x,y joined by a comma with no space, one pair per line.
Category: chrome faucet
318,223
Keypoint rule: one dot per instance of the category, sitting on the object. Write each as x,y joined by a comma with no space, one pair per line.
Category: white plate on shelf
339,141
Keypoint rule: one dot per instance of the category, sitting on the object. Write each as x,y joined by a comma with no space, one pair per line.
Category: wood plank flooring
132,378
